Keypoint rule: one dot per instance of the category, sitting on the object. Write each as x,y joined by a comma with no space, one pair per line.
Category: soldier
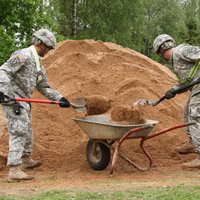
184,60
19,76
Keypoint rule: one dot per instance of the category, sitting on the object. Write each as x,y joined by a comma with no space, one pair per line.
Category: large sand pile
86,68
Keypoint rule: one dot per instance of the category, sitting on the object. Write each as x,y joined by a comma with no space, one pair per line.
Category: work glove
64,103
171,93
2,96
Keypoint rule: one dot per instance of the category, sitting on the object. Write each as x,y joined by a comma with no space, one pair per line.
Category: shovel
79,104
180,89
149,102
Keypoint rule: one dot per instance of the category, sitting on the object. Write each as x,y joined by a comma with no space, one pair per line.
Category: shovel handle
188,86
45,101
179,90
36,100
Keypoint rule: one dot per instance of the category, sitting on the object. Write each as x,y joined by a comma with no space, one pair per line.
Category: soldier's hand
2,96
64,103
171,93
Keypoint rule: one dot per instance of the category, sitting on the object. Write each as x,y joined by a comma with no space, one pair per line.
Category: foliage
161,19
109,20
61,12
192,11
132,24
18,19
7,44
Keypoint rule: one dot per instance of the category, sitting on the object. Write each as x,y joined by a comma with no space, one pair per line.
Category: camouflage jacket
183,59
19,77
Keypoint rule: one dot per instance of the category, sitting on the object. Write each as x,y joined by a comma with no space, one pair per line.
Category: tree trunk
74,19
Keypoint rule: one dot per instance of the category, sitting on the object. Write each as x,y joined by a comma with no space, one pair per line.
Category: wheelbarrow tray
104,128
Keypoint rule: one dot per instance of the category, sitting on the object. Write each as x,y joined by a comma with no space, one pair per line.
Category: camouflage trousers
192,114
20,134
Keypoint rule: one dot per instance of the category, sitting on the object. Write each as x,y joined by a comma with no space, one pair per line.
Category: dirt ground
90,68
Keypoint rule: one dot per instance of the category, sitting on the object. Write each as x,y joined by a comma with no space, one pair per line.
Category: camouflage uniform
19,78
182,60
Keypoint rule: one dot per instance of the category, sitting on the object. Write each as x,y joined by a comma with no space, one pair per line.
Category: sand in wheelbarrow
124,114
127,114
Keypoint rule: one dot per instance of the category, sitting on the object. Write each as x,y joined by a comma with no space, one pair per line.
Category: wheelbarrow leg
114,160
117,150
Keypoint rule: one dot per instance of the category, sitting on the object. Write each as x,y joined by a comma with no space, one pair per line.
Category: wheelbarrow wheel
98,155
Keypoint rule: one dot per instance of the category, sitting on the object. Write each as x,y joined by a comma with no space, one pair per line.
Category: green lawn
167,193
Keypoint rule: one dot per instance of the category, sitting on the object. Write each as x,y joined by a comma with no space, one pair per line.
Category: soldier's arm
4,81
45,89
7,71
192,53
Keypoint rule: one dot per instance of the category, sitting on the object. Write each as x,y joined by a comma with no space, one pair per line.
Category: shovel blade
79,104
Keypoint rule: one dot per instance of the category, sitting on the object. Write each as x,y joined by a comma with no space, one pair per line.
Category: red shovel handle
78,103
37,101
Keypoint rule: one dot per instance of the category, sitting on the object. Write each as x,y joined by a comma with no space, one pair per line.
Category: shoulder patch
21,58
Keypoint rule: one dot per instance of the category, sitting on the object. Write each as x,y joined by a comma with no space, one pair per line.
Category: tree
132,24
192,21
111,20
159,19
64,17
74,19
7,44
18,19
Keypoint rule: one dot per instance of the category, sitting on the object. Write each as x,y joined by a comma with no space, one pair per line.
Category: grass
168,193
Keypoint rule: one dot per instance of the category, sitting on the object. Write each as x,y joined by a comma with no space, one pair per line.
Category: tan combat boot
16,174
186,148
194,163
28,163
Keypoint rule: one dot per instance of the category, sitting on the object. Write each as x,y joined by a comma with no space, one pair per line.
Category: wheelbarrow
103,132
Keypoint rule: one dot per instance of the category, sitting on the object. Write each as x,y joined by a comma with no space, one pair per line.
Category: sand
113,77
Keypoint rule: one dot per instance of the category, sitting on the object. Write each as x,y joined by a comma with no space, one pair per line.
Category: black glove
64,103
171,93
2,96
